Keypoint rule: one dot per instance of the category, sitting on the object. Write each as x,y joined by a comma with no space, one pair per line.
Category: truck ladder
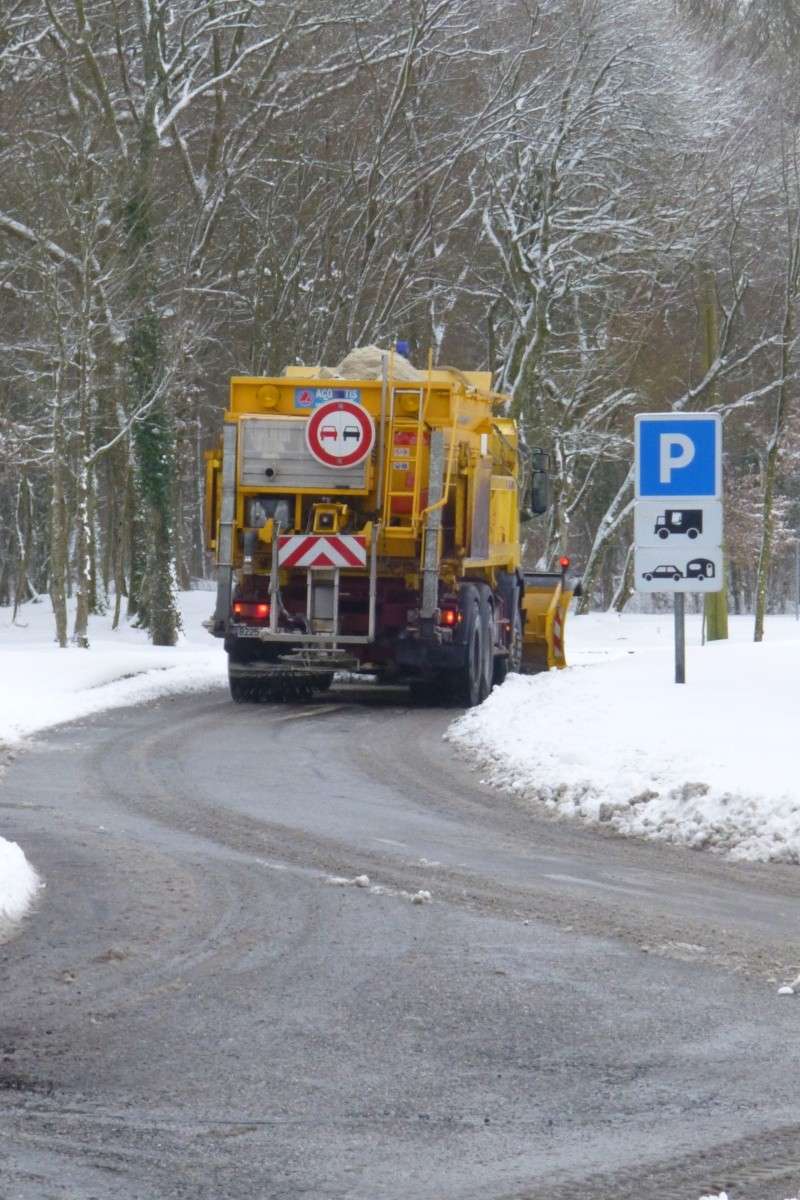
414,430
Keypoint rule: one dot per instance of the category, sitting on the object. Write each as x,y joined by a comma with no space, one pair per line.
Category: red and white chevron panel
311,550
558,639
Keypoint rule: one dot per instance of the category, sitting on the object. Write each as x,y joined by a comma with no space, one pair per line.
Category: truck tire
468,683
292,689
488,634
242,691
283,689
241,650
505,664
510,587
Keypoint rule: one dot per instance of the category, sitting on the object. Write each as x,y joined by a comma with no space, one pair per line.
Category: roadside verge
613,740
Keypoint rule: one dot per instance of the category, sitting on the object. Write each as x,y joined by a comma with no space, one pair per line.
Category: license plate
248,631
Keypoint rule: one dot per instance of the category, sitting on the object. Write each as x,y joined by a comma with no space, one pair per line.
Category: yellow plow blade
545,605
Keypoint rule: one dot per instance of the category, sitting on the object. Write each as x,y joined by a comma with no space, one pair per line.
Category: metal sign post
678,512
680,637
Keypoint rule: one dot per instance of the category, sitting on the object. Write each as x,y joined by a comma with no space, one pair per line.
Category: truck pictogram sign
340,433
680,520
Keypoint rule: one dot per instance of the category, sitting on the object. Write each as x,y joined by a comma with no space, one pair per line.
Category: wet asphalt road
201,1009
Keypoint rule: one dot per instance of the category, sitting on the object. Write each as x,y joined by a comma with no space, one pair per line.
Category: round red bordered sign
340,433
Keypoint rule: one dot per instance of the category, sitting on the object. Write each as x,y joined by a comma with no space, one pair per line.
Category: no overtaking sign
340,433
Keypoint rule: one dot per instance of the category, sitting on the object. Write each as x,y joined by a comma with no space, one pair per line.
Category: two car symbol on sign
698,568
329,433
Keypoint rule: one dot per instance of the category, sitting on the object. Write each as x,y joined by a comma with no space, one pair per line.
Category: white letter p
670,462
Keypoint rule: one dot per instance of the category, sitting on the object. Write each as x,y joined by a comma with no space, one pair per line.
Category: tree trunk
617,512
155,450
121,529
97,593
626,584
715,604
154,436
80,634
83,570
770,472
23,523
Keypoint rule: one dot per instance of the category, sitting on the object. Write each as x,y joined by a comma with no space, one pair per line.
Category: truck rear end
372,526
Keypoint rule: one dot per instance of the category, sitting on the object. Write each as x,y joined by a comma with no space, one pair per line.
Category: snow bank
19,884
44,685
615,740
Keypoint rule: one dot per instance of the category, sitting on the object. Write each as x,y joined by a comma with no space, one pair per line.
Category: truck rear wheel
278,692
512,662
488,634
468,683
242,691
297,689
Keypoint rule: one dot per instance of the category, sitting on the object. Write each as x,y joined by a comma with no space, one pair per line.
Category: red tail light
251,611
449,617
564,562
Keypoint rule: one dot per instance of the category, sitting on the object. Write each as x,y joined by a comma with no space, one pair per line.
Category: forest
597,200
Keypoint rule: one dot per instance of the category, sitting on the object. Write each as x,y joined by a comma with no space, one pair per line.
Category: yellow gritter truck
372,526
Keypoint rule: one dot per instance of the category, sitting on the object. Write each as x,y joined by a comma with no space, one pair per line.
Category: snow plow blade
545,605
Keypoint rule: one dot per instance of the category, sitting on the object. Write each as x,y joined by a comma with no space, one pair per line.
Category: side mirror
539,499
540,493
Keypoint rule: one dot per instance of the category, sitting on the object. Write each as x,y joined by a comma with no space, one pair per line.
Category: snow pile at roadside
43,685
615,740
19,884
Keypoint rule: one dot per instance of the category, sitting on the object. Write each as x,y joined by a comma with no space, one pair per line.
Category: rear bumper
308,654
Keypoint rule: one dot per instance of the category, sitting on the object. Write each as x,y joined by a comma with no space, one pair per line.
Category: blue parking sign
678,454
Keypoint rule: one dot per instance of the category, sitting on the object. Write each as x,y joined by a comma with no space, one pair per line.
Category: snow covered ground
42,685
712,763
